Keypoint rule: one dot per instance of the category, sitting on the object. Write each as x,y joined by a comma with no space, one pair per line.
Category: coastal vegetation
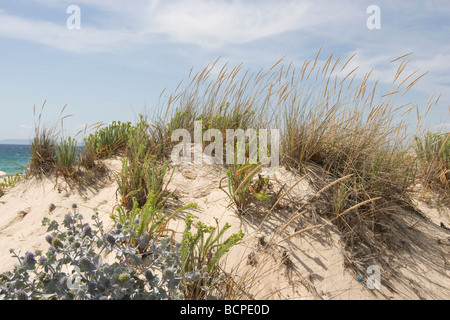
348,139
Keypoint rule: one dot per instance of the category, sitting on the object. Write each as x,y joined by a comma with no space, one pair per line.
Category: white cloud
87,39
207,24
217,24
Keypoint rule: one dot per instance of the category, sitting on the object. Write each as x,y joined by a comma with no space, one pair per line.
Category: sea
13,158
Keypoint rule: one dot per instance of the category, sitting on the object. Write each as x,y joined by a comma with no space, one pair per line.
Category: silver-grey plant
73,268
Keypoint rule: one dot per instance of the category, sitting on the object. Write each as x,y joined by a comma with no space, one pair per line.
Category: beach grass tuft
42,147
433,151
66,156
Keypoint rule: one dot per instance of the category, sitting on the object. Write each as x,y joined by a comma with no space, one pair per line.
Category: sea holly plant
73,268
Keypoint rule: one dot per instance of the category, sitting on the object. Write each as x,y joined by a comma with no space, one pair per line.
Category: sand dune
308,266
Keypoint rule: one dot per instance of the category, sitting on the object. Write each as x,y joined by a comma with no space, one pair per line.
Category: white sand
316,269
2,173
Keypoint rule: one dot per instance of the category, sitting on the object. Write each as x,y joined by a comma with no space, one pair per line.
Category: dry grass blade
345,64
405,55
328,222
414,82
292,220
286,193
329,186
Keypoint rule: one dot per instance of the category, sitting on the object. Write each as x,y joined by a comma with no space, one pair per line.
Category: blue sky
127,52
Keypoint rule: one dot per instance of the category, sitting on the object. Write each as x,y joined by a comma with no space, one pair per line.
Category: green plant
88,155
109,140
66,156
433,145
141,172
228,117
201,253
10,181
154,181
139,178
241,185
333,127
131,183
181,119
146,220
433,150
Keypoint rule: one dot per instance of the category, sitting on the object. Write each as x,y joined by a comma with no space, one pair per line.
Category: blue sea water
14,158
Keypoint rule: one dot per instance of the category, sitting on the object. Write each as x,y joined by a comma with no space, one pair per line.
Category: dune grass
433,151
66,155
43,147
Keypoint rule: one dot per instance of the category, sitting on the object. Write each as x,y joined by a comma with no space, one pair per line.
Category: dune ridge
308,266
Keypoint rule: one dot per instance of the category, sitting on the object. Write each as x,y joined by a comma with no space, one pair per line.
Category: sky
113,60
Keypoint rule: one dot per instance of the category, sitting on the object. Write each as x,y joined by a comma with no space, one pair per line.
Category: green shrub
229,117
433,145
138,179
108,140
200,253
